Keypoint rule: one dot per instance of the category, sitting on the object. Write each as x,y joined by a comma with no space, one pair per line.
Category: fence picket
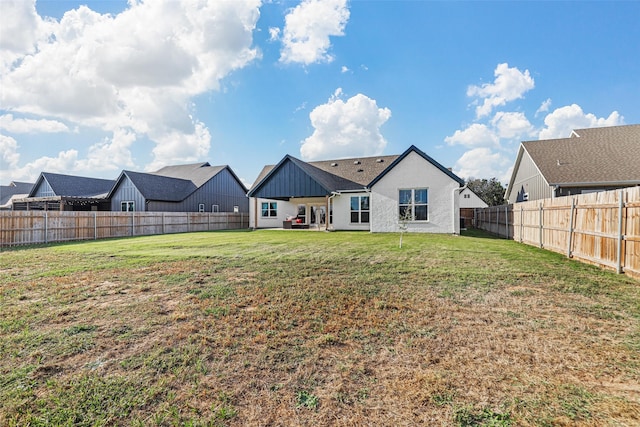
600,228
34,227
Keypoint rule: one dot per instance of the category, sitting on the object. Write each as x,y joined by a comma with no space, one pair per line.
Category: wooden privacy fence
601,228
31,227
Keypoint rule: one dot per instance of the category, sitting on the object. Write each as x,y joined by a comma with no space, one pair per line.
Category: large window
360,209
127,206
414,204
269,209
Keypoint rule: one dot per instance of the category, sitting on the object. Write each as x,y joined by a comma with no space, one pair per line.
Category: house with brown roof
377,194
589,160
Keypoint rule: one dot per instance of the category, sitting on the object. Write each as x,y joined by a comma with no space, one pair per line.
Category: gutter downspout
368,191
453,210
329,226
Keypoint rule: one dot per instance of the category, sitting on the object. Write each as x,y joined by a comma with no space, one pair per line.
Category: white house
371,193
470,200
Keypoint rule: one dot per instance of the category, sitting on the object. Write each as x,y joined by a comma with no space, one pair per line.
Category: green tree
491,191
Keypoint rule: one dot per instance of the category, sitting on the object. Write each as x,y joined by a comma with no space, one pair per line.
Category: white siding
342,212
473,201
285,209
416,172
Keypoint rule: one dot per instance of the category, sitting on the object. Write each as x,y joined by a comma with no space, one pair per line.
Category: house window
360,209
269,209
215,208
467,196
413,204
201,207
525,197
236,209
302,213
127,206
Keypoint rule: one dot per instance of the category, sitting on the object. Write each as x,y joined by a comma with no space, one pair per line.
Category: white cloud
134,72
509,84
562,121
482,163
344,69
274,34
308,27
65,162
12,125
511,125
544,107
111,154
179,147
476,135
346,129
9,153
20,29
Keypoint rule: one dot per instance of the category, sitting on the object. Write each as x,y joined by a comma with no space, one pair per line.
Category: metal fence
33,227
601,228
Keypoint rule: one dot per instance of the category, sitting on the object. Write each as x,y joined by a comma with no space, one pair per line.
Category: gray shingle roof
157,187
198,173
7,191
175,183
75,186
361,170
328,180
589,156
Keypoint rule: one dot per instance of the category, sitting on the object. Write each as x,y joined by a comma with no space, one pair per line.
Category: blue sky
93,87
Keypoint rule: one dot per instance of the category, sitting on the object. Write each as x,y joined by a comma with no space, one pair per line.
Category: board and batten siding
127,192
222,190
44,190
291,181
416,172
529,179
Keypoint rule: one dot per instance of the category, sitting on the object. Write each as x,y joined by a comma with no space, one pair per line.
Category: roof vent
334,165
356,162
360,170
379,160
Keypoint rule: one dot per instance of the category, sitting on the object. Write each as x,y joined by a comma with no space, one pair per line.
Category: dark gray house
197,187
594,159
53,191
13,190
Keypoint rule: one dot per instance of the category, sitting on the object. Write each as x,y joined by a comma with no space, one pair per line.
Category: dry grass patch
275,328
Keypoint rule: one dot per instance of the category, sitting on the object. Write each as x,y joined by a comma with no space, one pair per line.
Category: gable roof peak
416,150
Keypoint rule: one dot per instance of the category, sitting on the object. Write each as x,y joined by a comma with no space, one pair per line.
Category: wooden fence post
46,227
95,226
521,223
506,219
620,233
570,237
541,225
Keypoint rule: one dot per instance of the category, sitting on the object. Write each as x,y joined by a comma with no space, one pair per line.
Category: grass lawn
280,328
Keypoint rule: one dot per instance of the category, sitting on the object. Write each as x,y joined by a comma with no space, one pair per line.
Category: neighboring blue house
15,190
53,191
197,187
